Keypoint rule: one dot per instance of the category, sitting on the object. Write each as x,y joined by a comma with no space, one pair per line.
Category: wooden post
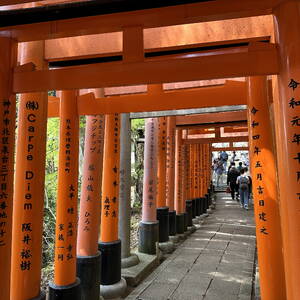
180,224
88,256
162,209
65,281
266,204
149,225
110,245
287,113
28,209
170,179
8,56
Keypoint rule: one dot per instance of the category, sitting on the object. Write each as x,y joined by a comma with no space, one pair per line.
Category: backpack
243,181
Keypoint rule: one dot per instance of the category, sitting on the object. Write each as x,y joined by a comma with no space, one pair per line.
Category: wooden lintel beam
12,2
232,93
213,125
230,149
210,119
236,62
215,140
148,18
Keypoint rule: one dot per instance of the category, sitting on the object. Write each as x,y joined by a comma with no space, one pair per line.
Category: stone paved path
214,263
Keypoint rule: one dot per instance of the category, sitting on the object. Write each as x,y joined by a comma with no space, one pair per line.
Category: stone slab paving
214,263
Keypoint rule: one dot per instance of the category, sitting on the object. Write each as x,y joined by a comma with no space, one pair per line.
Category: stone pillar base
172,223
180,224
148,237
89,272
191,229
111,262
174,238
68,292
166,247
42,296
129,261
113,291
195,221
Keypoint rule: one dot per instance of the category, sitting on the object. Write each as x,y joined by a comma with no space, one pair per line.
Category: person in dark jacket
232,176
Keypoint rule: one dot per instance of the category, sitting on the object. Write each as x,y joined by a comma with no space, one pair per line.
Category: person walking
240,166
219,171
249,185
232,176
243,183
224,158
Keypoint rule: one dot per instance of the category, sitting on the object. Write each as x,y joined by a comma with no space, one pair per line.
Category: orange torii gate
250,60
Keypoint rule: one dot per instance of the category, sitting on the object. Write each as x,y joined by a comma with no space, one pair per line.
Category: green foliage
50,190
137,172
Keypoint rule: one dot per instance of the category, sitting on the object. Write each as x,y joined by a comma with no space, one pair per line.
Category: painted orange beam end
53,107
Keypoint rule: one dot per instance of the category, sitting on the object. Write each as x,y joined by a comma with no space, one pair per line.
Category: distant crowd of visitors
239,184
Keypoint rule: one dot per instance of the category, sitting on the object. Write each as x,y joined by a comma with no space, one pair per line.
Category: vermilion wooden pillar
29,185
162,209
149,225
170,179
266,202
88,256
191,169
179,206
110,245
287,114
198,196
65,281
8,57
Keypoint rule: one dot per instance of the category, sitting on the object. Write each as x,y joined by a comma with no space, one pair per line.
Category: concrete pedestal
129,261
113,291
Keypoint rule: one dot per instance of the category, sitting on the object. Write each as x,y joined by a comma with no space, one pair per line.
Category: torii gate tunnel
109,60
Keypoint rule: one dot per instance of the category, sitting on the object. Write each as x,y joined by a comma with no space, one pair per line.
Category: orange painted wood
53,107
287,22
150,171
90,201
230,149
110,179
178,173
161,162
167,16
67,192
216,140
218,117
29,184
8,59
266,197
170,162
242,61
232,93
